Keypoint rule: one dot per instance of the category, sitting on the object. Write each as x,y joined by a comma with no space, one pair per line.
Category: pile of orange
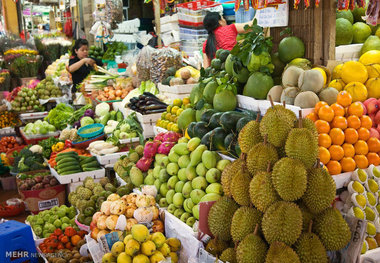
344,135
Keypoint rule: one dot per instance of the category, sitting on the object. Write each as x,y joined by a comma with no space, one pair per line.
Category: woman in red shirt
220,35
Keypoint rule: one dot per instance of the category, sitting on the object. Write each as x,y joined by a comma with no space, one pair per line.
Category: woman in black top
80,65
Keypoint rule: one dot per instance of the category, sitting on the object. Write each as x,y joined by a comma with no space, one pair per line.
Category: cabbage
102,109
86,121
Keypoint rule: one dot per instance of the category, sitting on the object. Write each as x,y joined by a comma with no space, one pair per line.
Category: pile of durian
278,200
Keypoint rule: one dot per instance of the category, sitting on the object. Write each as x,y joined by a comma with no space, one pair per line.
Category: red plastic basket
198,5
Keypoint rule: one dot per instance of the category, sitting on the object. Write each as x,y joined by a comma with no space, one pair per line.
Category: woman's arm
74,67
240,27
206,61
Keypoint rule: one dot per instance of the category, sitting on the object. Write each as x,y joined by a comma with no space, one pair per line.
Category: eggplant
153,111
155,106
149,94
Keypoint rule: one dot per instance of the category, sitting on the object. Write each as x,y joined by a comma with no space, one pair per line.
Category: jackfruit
251,250
220,217
239,189
332,229
228,255
244,222
320,191
289,178
276,124
259,156
229,171
310,249
216,246
302,144
282,222
280,253
262,192
307,216
249,136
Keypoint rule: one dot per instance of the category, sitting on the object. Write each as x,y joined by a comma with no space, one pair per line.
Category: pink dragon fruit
165,147
171,137
144,164
159,137
150,148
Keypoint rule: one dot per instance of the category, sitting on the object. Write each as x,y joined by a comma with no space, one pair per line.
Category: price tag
273,17
47,204
73,3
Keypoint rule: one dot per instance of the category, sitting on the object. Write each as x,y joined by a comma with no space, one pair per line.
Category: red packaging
204,208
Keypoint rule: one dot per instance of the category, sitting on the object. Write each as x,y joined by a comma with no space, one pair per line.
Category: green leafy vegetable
60,115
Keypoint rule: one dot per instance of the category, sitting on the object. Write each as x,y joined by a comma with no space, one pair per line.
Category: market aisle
5,195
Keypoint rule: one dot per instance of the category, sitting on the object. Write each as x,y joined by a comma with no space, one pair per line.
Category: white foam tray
177,89
77,177
109,158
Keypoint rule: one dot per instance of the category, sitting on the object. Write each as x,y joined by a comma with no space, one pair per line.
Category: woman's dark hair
211,22
77,45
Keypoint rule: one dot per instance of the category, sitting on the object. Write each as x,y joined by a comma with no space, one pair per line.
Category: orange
373,145
322,126
361,147
337,136
319,105
324,140
324,155
349,150
361,161
353,122
312,116
348,164
373,158
326,113
351,135
363,134
336,152
366,122
344,98
334,167
356,108
339,122
338,109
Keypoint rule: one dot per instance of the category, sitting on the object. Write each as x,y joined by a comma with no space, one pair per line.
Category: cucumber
90,169
88,160
105,119
67,153
69,168
68,164
92,164
67,159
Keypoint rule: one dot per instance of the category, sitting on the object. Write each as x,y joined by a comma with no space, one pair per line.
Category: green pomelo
372,43
344,32
291,48
361,32
345,14
258,86
225,101
185,118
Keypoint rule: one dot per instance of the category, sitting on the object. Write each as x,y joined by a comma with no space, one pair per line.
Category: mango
222,164
183,161
172,182
199,183
209,159
196,155
181,149
182,175
201,169
213,175
196,195
190,173
178,186
172,168
169,196
173,157
214,188
193,144
210,197
196,211
186,190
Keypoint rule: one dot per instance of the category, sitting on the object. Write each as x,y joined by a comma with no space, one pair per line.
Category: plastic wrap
115,12
162,59
143,63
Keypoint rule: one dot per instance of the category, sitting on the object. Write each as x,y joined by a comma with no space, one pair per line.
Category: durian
249,135
276,124
332,229
302,145
282,222
262,192
239,186
252,249
289,178
229,171
228,255
308,124
244,222
280,253
216,246
220,217
259,156
320,191
307,216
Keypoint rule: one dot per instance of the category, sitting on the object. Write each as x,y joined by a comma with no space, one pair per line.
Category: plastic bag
143,63
163,59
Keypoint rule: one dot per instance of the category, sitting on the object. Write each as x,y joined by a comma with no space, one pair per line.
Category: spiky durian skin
307,216
259,156
301,144
239,187
276,124
244,222
279,252
309,124
216,246
289,178
220,217
229,171
251,250
310,249
320,191
332,229
228,255
249,136
262,192
282,222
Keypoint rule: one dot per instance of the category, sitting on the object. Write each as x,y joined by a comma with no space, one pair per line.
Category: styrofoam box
120,180
226,157
343,179
7,131
169,19
206,257
177,89
109,158
172,96
348,52
169,27
158,130
147,122
33,115
131,140
77,177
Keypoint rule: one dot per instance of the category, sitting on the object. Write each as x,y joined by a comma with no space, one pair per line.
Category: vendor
220,35
80,65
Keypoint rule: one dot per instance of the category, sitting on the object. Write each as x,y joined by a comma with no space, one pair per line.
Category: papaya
206,116
215,120
217,140
200,129
229,119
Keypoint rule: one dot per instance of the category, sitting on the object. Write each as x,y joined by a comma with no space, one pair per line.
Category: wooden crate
315,26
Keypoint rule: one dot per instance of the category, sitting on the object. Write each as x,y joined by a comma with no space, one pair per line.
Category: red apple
364,108
377,117
378,128
372,116
374,133
372,105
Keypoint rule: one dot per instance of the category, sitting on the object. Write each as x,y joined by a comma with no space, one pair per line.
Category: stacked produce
169,118
26,100
8,143
95,52
114,49
276,188
361,201
147,103
38,127
128,128
118,91
140,246
185,75
35,181
66,243
102,148
47,221
8,119
47,146
47,89
28,160
344,135
68,151
71,163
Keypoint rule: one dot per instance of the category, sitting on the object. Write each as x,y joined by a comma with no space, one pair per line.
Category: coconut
290,76
306,99
176,81
311,80
185,73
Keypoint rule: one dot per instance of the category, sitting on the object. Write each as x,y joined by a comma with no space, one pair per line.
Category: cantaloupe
289,94
275,93
311,80
306,99
290,76
328,95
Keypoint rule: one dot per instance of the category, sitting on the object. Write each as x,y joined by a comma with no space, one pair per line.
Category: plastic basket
188,31
192,44
190,18
81,131
199,8
191,37
34,139
190,24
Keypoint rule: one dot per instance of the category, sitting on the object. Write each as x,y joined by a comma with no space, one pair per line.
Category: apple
377,118
374,133
372,116
372,105
378,128
364,108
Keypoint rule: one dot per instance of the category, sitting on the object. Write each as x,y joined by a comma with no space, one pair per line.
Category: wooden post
328,30
11,17
156,6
